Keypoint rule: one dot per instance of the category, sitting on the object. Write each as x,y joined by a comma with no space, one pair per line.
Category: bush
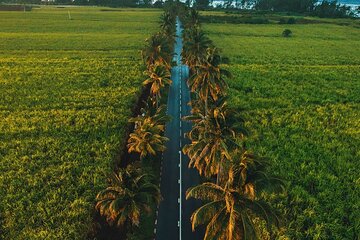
287,33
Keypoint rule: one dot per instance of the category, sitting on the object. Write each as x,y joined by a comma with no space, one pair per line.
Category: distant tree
67,2
113,3
228,3
81,2
146,3
246,4
158,4
331,9
201,4
300,6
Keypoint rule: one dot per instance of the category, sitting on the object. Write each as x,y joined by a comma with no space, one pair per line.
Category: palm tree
192,19
228,213
233,205
147,138
168,25
218,111
211,141
195,47
130,194
157,51
158,115
159,77
208,80
248,172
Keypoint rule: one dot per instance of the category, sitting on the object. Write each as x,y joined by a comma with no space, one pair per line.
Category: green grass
301,100
67,90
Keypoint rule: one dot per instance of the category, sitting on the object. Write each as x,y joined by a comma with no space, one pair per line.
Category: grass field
301,100
67,89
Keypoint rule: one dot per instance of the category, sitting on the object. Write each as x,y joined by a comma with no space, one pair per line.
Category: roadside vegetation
235,178
132,197
67,91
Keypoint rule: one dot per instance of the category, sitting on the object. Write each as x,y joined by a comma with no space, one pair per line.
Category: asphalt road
176,177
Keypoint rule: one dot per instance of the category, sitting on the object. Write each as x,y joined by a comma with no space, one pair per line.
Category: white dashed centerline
180,186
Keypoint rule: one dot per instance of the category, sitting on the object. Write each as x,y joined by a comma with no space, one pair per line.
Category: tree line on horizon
322,8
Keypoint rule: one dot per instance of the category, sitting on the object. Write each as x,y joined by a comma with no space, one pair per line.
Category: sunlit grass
300,98
67,90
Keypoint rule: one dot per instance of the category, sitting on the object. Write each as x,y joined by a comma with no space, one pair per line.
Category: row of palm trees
131,192
236,178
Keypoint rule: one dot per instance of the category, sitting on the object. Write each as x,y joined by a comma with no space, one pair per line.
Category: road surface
173,218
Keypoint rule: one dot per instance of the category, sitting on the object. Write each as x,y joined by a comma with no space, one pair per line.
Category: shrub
287,33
